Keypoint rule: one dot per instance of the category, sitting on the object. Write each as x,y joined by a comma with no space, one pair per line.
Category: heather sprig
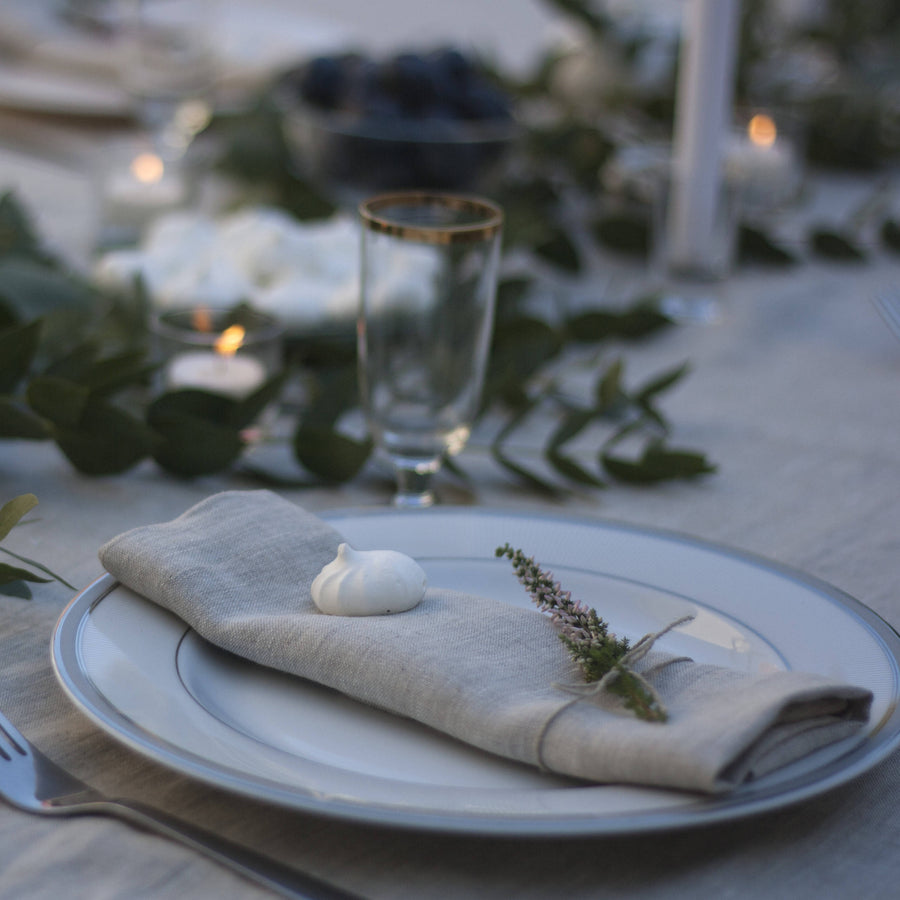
602,657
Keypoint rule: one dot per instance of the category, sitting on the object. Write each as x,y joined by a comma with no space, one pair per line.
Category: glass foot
414,489
700,308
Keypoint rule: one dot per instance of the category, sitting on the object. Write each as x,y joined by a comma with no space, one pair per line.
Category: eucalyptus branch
13,578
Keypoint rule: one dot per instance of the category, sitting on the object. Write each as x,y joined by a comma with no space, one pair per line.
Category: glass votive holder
231,352
694,243
134,186
764,156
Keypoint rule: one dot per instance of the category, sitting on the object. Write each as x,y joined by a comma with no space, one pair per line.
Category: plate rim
706,810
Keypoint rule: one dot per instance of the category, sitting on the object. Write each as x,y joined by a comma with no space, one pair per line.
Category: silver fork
888,306
34,783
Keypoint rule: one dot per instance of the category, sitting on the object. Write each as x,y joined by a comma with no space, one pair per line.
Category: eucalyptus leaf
106,440
248,410
530,478
332,392
75,362
755,246
33,289
18,589
573,423
558,249
835,246
39,567
61,401
190,446
193,403
639,320
569,468
520,348
18,345
660,383
197,432
657,463
624,233
17,236
890,235
106,376
328,454
510,292
17,421
10,573
501,458
13,510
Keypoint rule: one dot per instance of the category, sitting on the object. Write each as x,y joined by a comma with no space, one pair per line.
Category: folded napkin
238,567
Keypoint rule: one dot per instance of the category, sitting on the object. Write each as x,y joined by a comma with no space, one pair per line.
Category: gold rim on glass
490,217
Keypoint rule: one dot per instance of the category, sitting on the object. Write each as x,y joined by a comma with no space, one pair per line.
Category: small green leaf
558,250
18,589
626,234
500,457
10,573
333,390
191,446
573,423
832,245
510,292
61,401
13,510
249,409
568,468
890,235
641,319
106,440
33,289
37,565
73,364
657,463
660,383
332,456
17,237
196,404
755,246
18,345
519,350
105,376
16,421
533,480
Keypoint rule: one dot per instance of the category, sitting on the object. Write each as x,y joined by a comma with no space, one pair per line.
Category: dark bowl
360,152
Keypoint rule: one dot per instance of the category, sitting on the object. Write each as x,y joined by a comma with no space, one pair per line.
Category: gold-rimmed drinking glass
428,283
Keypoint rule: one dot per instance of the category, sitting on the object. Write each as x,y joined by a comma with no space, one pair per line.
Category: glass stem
413,489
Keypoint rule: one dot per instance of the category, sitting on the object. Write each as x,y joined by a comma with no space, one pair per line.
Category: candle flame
762,131
229,340
147,168
201,320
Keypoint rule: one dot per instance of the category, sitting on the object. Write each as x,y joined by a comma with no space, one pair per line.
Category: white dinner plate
151,682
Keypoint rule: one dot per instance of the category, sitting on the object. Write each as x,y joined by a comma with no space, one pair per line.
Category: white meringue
368,583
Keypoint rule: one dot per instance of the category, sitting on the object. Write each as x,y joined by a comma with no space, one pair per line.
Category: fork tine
14,739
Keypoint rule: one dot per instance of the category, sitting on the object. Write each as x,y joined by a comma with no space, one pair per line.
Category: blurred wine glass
166,59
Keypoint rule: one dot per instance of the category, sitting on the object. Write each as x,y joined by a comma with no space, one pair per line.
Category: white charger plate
154,684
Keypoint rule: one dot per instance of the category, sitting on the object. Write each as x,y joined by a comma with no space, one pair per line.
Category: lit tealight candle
763,160
133,195
220,371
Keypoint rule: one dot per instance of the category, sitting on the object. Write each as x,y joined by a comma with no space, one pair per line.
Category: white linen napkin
238,567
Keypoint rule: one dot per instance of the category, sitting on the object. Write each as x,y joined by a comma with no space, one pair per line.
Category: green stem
37,565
